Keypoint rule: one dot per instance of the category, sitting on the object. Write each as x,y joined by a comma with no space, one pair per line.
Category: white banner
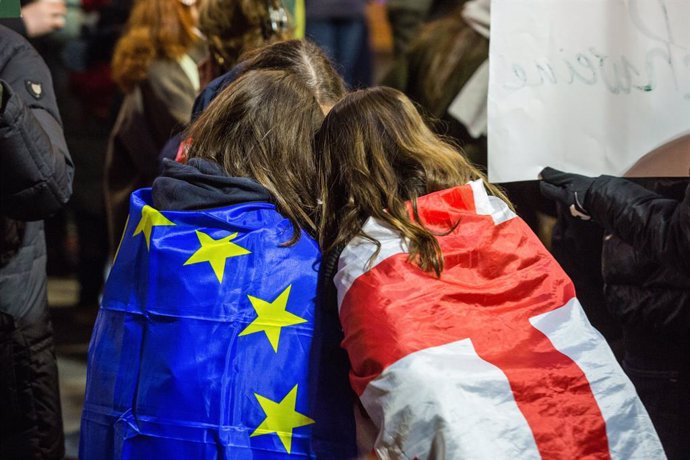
589,86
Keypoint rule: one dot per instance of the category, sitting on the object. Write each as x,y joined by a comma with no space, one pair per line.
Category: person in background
35,182
407,16
439,63
39,21
645,265
155,65
234,28
93,100
231,30
39,18
340,28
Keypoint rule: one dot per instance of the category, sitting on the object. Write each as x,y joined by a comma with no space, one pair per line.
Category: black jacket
646,254
646,271
35,181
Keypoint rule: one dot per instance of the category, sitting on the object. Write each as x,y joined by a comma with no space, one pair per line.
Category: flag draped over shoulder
495,359
200,349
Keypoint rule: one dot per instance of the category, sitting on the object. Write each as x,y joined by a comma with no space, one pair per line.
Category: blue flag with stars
201,346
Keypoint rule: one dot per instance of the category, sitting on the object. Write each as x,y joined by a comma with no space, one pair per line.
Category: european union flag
201,346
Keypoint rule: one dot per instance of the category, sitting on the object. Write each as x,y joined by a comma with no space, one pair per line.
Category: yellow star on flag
216,252
272,317
150,218
281,418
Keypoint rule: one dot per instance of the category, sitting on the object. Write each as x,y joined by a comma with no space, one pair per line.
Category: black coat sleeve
35,166
16,24
655,226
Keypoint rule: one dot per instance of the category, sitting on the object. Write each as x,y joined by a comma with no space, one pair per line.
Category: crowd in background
128,79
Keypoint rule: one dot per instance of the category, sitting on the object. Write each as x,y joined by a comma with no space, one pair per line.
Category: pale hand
44,16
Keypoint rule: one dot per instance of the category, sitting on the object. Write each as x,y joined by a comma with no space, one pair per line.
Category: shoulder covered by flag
201,346
494,359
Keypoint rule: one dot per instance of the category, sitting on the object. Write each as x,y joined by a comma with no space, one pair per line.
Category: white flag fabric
495,359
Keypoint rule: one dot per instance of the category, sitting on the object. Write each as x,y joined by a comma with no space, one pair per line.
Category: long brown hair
155,29
233,27
261,126
375,153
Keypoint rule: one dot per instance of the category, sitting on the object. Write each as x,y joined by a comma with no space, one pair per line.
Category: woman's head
375,153
261,126
155,29
233,27
307,61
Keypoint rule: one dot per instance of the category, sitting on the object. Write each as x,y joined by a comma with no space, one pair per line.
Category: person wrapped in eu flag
201,349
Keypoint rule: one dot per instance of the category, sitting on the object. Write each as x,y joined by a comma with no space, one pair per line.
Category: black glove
569,189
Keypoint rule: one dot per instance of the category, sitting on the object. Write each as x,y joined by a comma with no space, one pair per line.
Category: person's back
201,348
35,181
465,337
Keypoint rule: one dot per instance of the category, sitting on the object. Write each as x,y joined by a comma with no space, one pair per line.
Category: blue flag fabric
201,346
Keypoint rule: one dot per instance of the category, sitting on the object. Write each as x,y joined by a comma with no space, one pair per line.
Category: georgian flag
494,360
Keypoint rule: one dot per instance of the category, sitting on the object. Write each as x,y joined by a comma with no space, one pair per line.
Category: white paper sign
587,86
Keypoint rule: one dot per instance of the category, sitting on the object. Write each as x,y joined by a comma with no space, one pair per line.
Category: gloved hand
569,189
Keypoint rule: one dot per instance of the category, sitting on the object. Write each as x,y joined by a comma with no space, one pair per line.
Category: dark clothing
330,364
345,42
576,245
202,184
210,91
15,24
35,181
646,271
332,9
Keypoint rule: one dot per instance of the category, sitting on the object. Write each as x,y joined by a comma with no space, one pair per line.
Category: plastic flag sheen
201,346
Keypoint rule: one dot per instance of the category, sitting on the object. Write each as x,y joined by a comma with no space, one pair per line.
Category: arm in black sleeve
36,169
656,226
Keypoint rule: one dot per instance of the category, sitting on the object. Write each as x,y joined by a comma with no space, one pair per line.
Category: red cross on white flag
493,360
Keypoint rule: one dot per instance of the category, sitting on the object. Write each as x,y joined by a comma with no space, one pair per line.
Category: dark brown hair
375,153
261,126
233,27
155,29
441,59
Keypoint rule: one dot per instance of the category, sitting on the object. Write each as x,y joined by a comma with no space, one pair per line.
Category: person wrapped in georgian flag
465,337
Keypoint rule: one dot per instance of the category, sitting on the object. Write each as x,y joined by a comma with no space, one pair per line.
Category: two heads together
330,159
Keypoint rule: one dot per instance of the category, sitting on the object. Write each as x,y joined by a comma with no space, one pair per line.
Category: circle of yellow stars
281,417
